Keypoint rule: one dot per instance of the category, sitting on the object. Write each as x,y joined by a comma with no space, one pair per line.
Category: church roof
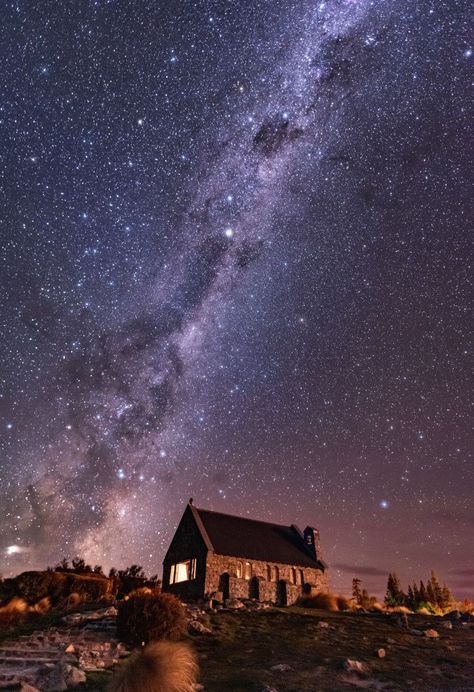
226,534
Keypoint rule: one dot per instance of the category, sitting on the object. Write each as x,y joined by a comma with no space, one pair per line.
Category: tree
394,596
98,569
356,594
411,598
436,588
423,596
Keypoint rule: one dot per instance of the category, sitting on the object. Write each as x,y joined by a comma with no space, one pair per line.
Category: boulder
323,625
75,676
354,666
281,668
233,604
52,678
431,634
196,627
448,625
380,653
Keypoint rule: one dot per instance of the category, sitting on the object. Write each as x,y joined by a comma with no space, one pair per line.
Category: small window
238,571
183,571
248,571
292,576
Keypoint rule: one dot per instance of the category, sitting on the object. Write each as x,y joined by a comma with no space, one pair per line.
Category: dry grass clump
161,667
147,617
13,613
321,601
343,603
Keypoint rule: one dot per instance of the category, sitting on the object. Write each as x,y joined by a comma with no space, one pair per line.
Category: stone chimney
312,542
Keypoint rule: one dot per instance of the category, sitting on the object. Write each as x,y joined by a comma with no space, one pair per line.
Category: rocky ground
62,656
263,649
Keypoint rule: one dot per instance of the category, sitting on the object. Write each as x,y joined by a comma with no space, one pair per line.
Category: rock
75,676
281,668
52,679
323,625
196,627
417,633
381,653
391,641
266,688
28,688
71,649
233,604
431,634
198,687
448,625
354,666
91,660
453,615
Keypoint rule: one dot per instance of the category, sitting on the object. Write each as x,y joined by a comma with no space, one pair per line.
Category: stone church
220,556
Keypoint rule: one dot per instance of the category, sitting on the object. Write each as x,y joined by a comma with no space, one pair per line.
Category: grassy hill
311,649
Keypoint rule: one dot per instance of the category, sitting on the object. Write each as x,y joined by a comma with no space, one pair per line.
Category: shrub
58,587
146,617
342,603
13,613
322,601
161,667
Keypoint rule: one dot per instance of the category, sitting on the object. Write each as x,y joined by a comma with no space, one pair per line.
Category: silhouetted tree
356,594
394,596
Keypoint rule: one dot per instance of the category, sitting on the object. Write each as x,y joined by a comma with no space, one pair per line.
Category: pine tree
356,595
394,595
410,598
430,593
446,597
423,597
416,596
437,591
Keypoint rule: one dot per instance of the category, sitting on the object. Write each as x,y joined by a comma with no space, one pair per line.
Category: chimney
311,539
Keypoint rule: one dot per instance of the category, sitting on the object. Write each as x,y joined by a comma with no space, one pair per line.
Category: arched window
248,571
292,576
238,570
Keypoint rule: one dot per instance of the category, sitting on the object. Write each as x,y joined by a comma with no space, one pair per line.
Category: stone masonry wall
239,587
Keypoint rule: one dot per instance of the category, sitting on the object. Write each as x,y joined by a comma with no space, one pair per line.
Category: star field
235,245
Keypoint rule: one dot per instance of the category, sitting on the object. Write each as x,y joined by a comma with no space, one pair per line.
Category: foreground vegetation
317,644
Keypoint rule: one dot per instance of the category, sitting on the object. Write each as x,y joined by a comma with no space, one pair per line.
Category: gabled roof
226,534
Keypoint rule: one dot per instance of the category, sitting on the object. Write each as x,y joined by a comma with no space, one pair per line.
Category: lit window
183,571
239,570
248,571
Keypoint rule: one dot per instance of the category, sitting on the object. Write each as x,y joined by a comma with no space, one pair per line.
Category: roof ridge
237,516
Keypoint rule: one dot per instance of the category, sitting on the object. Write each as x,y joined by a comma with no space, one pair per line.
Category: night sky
234,265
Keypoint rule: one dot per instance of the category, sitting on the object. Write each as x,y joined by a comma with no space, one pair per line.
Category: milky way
235,266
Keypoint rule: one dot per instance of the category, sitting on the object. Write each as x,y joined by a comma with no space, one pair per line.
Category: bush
146,617
58,587
13,613
342,603
321,601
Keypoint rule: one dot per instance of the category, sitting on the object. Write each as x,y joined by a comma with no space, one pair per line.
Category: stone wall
240,587
186,544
